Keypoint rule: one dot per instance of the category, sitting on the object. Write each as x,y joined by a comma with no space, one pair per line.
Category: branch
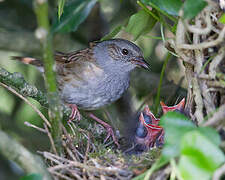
217,117
14,151
17,82
28,102
45,37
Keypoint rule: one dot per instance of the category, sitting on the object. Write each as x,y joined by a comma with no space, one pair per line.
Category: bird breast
93,88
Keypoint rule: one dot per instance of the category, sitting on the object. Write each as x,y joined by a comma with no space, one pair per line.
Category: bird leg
75,114
109,129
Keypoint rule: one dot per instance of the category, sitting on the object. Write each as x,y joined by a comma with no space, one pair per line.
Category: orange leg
109,129
75,114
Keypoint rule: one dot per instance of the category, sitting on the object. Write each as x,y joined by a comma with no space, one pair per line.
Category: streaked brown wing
86,54
77,68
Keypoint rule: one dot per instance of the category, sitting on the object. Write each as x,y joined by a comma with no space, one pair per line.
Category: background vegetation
183,41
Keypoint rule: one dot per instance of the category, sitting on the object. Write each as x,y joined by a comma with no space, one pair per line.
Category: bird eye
125,52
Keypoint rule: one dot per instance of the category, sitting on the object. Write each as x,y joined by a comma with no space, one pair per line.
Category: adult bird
96,76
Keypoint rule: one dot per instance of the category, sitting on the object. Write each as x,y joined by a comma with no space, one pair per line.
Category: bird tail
29,60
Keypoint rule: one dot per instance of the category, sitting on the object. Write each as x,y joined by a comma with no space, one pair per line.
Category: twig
17,82
28,102
70,163
50,139
87,149
215,62
198,30
71,144
60,175
219,172
70,153
217,117
197,89
204,45
35,127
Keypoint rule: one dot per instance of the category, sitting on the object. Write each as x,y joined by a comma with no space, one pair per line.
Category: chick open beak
140,61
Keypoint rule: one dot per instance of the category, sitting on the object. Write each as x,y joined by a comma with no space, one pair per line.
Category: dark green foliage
74,13
193,7
32,177
61,4
140,24
171,7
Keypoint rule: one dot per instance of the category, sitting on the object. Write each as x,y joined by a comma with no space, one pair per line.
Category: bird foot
75,114
108,128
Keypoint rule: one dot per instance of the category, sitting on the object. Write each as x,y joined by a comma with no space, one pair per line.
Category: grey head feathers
115,55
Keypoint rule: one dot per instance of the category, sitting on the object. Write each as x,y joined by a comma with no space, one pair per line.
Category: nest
81,158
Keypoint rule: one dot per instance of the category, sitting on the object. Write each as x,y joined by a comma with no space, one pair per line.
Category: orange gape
148,132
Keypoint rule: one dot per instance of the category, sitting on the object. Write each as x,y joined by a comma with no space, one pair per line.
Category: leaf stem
45,37
160,83
164,13
147,10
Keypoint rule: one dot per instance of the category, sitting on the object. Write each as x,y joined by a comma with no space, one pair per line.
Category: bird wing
77,68
73,57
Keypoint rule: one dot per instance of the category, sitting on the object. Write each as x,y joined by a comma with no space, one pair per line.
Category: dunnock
95,76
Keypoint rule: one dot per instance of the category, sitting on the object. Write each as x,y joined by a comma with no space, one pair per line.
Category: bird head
119,55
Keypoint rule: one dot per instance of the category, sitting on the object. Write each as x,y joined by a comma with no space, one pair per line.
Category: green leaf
190,171
211,134
222,19
140,24
193,7
32,177
171,7
200,157
158,164
112,34
75,12
60,7
175,126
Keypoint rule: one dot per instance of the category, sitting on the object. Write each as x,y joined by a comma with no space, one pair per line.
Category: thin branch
199,30
28,102
69,163
217,117
50,139
35,127
204,45
219,172
61,175
17,82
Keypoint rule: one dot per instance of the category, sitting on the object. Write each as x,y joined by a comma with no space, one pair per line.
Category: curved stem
160,83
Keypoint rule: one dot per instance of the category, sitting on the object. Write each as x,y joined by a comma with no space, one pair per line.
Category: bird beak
140,61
